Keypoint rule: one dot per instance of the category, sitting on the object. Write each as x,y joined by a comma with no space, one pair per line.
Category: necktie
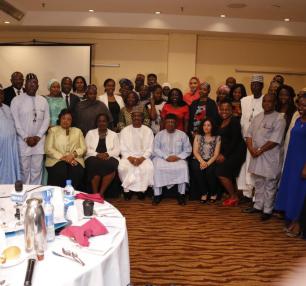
67,101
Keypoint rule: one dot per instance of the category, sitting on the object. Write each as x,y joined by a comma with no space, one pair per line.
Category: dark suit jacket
9,94
74,99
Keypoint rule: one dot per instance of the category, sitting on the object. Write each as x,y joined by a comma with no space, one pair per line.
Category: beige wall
176,57
218,57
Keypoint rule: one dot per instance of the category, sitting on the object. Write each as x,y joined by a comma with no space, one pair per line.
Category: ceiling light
236,5
287,20
91,10
222,16
7,22
157,12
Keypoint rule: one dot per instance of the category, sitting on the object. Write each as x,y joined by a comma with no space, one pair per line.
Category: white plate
13,262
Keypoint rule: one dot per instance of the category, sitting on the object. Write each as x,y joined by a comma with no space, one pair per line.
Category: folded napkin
91,197
82,233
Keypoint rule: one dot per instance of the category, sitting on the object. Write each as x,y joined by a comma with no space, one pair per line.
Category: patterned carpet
205,245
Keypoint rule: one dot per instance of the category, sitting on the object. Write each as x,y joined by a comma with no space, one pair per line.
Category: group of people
153,135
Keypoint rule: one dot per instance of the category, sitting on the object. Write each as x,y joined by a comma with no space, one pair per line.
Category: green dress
56,104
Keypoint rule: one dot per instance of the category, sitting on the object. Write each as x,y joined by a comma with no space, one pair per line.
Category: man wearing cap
136,146
171,149
31,117
15,89
250,107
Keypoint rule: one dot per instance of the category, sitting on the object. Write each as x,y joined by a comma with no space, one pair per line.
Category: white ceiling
258,17
255,9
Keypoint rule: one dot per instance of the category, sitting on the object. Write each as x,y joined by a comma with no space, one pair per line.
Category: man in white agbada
136,146
31,117
250,107
171,148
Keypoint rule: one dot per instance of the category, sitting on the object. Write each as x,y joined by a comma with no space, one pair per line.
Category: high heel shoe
231,202
203,201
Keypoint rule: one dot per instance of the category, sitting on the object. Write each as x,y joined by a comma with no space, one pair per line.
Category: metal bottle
35,233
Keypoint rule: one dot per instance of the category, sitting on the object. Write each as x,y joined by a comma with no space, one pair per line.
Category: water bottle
68,196
49,215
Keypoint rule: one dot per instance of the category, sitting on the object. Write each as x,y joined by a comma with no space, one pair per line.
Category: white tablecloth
106,259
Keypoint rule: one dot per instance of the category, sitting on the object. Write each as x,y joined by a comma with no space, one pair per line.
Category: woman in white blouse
113,102
102,156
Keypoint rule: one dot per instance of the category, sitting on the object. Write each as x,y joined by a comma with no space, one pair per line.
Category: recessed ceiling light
7,22
222,16
287,20
157,12
91,10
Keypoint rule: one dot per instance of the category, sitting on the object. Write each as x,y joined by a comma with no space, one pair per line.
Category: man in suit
15,89
70,98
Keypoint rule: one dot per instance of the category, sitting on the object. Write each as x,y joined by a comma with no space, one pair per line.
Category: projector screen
46,62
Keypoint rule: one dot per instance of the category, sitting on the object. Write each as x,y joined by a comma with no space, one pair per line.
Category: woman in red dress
177,106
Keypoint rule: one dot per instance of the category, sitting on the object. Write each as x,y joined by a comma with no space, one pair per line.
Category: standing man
250,107
264,139
171,149
136,146
70,98
15,89
31,116
151,81
139,82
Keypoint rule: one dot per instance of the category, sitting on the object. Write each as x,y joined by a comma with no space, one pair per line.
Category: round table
106,259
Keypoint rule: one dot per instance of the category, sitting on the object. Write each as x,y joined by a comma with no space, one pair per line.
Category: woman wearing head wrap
55,100
202,108
125,115
193,94
223,92
9,163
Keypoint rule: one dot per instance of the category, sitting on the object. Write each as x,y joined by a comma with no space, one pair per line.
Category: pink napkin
81,234
91,197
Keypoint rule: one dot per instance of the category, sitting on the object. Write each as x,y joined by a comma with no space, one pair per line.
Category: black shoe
202,201
245,200
127,196
141,196
265,216
181,200
156,200
251,211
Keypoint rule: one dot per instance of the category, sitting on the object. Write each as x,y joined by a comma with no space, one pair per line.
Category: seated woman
55,100
87,110
237,92
79,86
155,107
232,154
9,159
177,106
65,150
113,102
125,116
206,149
101,161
